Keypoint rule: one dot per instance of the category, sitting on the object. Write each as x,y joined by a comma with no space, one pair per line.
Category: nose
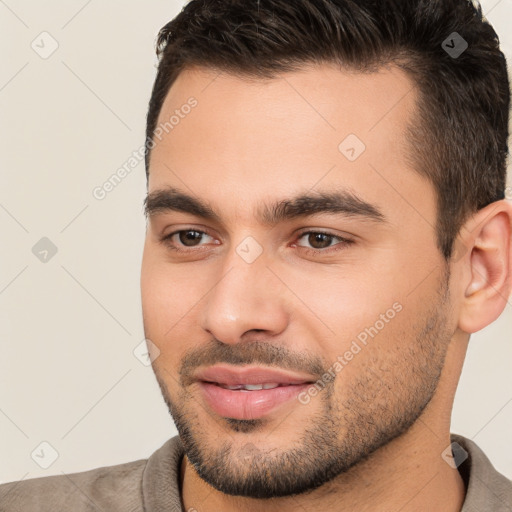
246,297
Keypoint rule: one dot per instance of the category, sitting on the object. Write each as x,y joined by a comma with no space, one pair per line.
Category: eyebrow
307,204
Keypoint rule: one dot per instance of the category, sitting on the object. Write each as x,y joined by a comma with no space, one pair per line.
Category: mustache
257,352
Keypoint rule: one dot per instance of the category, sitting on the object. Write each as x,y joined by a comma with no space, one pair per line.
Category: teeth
250,387
253,387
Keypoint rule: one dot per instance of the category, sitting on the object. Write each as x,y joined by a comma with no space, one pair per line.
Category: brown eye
319,240
184,239
189,238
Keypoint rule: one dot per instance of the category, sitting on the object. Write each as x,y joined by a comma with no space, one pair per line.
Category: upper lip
236,375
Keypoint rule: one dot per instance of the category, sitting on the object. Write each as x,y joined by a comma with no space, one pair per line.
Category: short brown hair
459,137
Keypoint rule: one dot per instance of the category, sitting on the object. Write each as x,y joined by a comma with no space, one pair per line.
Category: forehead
319,126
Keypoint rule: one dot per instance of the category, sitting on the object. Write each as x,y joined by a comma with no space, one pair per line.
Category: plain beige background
69,325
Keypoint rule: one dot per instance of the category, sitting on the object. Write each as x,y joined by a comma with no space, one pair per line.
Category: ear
486,266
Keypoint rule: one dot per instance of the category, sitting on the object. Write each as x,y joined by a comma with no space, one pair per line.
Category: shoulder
486,488
109,488
143,485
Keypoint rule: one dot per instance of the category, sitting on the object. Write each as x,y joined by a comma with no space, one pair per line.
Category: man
327,225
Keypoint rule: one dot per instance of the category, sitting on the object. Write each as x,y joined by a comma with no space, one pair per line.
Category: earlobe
487,266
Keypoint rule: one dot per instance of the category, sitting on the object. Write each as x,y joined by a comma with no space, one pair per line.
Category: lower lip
248,405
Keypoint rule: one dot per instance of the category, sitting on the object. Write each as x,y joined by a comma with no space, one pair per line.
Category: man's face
293,340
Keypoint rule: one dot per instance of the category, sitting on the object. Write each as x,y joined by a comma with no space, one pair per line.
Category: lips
248,392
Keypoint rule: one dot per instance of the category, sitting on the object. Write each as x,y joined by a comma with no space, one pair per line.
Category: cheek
368,315
155,298
170,303
346,299
166,295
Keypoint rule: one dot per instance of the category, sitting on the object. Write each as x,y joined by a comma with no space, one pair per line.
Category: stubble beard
385,400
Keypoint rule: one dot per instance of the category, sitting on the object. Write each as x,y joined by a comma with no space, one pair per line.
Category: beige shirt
152,485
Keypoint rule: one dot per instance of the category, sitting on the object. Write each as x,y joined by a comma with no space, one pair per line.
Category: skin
253,142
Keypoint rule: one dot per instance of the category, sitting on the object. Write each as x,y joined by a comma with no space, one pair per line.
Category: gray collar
486,489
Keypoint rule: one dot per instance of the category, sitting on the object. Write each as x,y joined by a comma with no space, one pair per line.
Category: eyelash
343,242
